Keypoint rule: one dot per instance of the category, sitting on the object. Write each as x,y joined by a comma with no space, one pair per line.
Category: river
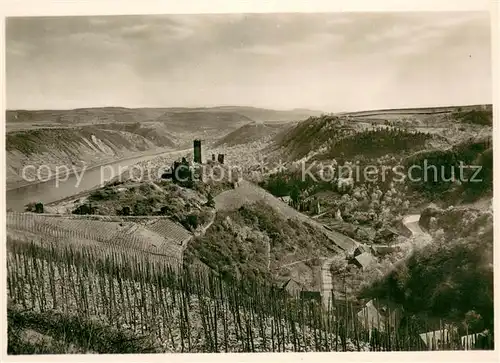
54,190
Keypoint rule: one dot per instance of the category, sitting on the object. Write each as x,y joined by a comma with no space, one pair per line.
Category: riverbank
73,187
13,185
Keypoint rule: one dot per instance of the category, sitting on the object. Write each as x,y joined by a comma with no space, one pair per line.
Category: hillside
154,131
452,279
86,145
196,120
84,115
329,137
131,115
311,135
268,115
418,111
256,242
444,180
249,133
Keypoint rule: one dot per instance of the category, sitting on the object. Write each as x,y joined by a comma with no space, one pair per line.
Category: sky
330,62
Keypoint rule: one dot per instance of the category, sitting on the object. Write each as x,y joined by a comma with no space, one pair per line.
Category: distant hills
202,120
175,115
251,132
351,133
268,115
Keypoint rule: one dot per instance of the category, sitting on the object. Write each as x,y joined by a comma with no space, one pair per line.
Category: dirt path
296,262
418,239
204,229
326,280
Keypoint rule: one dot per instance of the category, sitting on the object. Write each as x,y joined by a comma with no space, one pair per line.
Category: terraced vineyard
170,230
101,234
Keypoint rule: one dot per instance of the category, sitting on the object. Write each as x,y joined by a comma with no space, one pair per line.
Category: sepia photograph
249,182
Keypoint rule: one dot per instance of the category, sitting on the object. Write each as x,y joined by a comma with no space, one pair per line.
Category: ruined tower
197,151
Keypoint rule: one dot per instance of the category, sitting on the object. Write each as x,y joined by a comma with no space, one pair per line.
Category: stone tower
197,151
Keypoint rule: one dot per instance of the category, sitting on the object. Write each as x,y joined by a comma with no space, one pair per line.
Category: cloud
301,60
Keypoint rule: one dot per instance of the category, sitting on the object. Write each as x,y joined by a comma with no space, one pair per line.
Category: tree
39,207
473,322
210,200
295,195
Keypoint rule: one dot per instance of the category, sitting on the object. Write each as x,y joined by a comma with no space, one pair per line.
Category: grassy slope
451,277
69,140
248,133
333,137
30,332
236,242
477,153
196,120
91,144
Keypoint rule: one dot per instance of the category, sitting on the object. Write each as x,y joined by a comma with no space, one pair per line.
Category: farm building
387,235
380,315
361,249
437,339
364,260
475,341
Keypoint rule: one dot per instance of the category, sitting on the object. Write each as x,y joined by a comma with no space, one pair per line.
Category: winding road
418,239
411,222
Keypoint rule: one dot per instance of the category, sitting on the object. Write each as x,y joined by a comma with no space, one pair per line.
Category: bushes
34,207
210,200
70,334
106,193
450,277
190,222
437,170
478,117
142,208
377,143
84,209
125,211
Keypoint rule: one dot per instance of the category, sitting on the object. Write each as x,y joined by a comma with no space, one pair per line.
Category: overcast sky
331,62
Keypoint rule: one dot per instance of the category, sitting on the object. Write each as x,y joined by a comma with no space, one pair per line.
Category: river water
53,190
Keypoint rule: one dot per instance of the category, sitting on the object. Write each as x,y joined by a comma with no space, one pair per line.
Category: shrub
105,193
191,221
141,208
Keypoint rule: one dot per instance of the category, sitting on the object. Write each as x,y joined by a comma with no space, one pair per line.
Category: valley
251,253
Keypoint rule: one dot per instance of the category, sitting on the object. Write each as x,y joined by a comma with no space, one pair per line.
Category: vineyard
129,234
178,309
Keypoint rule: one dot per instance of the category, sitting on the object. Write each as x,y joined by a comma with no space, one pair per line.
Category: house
361,249
292,287
437,339
364,260
380,315
345,243
387,234
475,341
